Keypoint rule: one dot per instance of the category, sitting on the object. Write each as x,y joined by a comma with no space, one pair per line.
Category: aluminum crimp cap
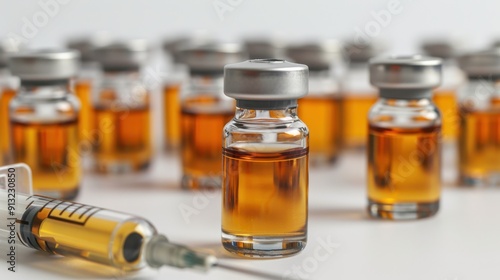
266,79
405,72
86,45
8,46
211,57
123,55
316,55
361,52
481,63
44,65
441,48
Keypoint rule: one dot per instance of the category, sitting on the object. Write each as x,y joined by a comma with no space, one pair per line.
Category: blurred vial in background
8,87
479,131
357,93
404,147
264,48
320,109
87,78
122,117
204,112
265,160
445,96
173,88
44,120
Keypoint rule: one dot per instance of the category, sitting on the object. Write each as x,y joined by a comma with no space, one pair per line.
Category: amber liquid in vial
264,202
322,116
479,146
123,141
172,115
355,108
446,101
5,97
83,90
51,151
202,124
404,172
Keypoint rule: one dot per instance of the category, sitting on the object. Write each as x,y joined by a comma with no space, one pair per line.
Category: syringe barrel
72,229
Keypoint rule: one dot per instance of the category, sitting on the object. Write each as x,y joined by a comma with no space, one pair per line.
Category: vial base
264,246
480,180
120,167
61,194
402,211
193,182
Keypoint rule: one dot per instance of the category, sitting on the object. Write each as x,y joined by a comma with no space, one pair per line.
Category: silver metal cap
44,65
264,48
269,80
363,51
210,58
123,55
481,63
7,47
318,56
441,48
86,45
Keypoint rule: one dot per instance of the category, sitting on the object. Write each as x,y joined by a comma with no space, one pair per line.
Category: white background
476,22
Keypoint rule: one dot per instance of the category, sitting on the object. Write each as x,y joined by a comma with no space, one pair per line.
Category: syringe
95,234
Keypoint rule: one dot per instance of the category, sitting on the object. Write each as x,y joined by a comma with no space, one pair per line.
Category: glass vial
173,87
85,82
445,96
265,165
358,96
204,112
8,87
320,109
404,145
44,120
121,109
479,137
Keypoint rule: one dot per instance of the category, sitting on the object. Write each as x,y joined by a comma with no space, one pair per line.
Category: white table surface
461,242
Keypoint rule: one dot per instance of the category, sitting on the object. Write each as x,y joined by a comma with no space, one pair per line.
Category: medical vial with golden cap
122,117
479,131
445,96
8,88
173,87
204,112
44,120
404,143
320,109
85,82
265,165
358,95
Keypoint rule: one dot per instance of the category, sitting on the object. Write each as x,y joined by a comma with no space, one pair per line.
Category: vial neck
389,93
413,102
44,89
262,115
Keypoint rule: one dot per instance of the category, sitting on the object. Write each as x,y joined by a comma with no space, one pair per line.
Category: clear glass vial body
478,136
404,158
204,112
446,98
44,135
122,123
265,183
320,110
358,96
8,88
